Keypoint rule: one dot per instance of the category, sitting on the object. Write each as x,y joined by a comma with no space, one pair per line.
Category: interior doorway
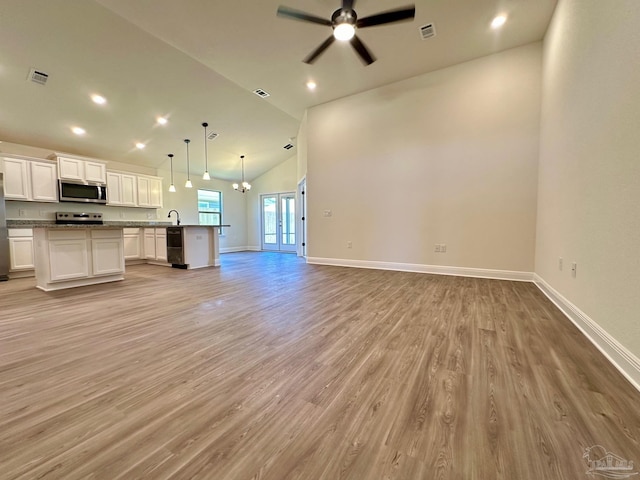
279,221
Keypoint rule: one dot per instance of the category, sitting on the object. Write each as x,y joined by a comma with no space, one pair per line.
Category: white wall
281,178
589,190
447,157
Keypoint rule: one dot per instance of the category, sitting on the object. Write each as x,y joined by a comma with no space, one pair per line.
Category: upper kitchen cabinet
122,189
81,169
149,192
30,179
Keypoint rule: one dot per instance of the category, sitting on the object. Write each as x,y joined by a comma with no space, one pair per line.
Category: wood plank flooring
268,368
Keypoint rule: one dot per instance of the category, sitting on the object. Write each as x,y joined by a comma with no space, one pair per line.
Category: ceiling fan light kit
344,23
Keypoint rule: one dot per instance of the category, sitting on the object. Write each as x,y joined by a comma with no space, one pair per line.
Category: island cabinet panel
68,255
107,251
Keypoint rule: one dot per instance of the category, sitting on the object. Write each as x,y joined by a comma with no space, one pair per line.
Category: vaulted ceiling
192,61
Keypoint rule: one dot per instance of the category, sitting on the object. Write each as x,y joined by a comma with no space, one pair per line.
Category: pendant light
245,186
188,183
205,175
172,187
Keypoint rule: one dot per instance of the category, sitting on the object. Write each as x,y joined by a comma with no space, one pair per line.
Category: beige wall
302,148
589,190
281,178
448,157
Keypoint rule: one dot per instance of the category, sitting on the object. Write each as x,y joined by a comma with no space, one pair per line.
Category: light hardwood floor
268,368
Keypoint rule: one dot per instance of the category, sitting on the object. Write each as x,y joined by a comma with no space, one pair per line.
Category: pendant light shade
205,175
244,186
188,183
172,187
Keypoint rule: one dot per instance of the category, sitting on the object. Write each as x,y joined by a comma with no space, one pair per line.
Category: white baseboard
420,268
621,358
240,249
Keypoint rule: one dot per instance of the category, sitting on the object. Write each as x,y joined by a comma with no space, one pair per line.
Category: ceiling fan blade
362,50
348,4
319,51
292,14
406,13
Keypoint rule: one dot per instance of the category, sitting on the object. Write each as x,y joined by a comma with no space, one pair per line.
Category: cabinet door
149,244
68,259
129,190
71,168
108,256
114,188
161,244
21,253
132,250
144,192
155,192
95,172
44,182
16,179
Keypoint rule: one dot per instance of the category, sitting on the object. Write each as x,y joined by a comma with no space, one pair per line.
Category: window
209,207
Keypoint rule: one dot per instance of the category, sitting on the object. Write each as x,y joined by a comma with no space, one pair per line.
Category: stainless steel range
74,218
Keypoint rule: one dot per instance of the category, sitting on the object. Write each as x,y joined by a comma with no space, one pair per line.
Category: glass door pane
270,222
288,221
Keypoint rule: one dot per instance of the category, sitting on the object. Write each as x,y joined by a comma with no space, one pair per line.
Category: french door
279,221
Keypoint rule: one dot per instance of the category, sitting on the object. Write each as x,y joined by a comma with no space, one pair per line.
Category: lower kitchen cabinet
132,243
21,249
107,251
155,244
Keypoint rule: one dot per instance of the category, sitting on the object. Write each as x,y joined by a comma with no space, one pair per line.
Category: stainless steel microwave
82,192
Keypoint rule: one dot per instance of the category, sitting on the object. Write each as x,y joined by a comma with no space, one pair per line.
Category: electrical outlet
22,213
574,268
443,248
560,263
437,248
326,213
121,214
349,244
43,214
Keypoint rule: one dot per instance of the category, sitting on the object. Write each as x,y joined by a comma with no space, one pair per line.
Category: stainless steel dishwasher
175,247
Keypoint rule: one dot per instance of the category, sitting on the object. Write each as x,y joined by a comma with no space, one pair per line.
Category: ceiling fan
344,22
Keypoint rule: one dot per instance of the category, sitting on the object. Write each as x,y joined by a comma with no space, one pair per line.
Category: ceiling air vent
212,135
37,76
261,93
288,146
427,31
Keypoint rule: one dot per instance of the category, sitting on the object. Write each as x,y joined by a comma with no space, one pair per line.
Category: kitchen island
67,256
193,246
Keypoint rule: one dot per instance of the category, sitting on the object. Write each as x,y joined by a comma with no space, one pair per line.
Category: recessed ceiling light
162,120
78,130
99,99
140,145
498,21
311,85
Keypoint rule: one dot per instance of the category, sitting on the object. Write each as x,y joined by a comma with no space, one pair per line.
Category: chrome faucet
177,215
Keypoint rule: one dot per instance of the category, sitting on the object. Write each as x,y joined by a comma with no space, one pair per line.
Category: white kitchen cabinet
21,249
81,169
122,189
68,255
107,252
155,244
149,192
161,244
132,243
30,180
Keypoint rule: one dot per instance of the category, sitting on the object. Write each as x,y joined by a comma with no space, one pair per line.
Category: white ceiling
200,60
